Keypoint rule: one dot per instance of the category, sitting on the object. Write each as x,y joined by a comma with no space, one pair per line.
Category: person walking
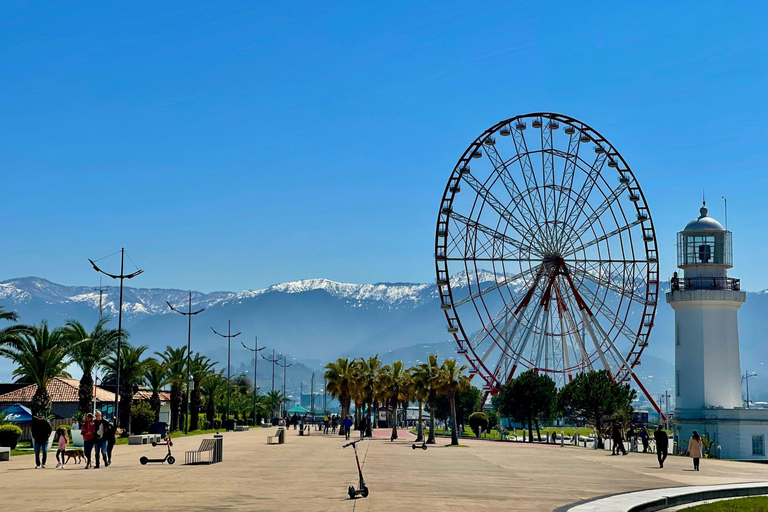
61,446
295,420
363,425
618,440
695,446
644,438
334,423
347,426
112,436
100,438
41,432
662,445
88,431
631,437
326,423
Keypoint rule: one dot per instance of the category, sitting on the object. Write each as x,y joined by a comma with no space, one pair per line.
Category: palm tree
420,392
393,383
368,373
133,370
11,333
156,378
201,368
213,387
40,355
340,377
429,380
453,380
273,399
89,351
175,361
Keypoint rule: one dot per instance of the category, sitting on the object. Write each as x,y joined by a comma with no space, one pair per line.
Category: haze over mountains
315,320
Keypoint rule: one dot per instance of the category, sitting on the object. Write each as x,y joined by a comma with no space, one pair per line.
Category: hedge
9,436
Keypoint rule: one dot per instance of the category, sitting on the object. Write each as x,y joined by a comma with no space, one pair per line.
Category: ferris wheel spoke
548,177
621,290
611,317
497,285
501,167
576,209
585,359
496,205
529,176
602,238
569,167
600,210
487,243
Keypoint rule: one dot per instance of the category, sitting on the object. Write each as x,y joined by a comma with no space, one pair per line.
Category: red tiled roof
61,390
144,394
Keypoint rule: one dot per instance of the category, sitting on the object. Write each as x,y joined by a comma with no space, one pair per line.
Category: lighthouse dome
704,223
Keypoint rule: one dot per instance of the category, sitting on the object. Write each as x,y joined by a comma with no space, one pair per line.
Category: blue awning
17,413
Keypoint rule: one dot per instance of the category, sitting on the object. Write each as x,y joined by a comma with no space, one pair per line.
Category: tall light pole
274,362
285,365
255,351
666,396
312,394
121,276
746,377
229,337
189,314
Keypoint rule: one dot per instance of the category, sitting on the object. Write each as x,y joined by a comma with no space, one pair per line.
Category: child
61,436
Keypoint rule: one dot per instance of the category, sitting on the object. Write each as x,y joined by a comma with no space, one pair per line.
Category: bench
278,438
196,456
242,428
144,438
5,453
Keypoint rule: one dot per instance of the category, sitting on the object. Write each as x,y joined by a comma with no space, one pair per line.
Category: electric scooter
423,445
169,458
362,489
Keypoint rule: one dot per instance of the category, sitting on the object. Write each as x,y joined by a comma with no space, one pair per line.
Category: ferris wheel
546,254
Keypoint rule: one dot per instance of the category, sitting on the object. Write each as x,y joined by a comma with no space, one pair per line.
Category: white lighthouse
707,368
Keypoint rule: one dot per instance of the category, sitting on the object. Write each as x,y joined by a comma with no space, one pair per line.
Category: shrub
250,422
493,419
478,421
205,424
142,417
9,436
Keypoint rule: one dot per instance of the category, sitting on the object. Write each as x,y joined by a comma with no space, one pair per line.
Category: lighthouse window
758,445
705,252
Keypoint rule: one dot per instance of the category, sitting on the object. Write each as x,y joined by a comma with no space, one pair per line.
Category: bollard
218,448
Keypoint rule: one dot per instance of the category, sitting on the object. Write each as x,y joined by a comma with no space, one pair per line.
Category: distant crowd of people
97,432
661,439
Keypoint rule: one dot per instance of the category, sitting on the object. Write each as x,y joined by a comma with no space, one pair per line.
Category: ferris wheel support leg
523,345
631,372
588,325
579,341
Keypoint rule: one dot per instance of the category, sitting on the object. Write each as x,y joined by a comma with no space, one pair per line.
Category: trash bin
218,448
281,436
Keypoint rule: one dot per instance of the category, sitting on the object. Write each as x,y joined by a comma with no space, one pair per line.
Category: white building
707,368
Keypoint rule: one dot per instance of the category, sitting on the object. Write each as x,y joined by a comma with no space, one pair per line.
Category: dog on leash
78,455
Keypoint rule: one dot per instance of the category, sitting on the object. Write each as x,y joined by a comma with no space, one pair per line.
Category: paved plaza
313,473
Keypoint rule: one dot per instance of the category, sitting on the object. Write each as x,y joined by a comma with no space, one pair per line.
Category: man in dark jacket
41,432
618,440
662,444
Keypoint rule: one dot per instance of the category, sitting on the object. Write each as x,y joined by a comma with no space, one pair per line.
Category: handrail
705,283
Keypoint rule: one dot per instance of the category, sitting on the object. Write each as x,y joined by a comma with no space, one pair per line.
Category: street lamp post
229,337
746,377
121,276
189,314
285,365
255,351
273,361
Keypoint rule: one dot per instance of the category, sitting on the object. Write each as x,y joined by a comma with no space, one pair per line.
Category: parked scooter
362,489
169,458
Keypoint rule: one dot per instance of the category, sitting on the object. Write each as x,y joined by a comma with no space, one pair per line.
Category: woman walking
88,430
694,449
113,434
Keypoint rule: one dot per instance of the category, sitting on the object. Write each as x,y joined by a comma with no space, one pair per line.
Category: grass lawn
756,504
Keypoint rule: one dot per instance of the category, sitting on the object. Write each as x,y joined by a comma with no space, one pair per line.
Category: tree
156,378
594,398
133,370
478,422
452,381
213,387
530,397
273,399
11,333
431,385
175,361
89,350
493,419
468,400
40,355
340,377
393,383
419,380
368,374
201,368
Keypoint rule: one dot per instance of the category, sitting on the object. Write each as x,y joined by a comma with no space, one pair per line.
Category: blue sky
233,145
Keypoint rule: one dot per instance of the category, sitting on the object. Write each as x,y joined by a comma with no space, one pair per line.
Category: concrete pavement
313,473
